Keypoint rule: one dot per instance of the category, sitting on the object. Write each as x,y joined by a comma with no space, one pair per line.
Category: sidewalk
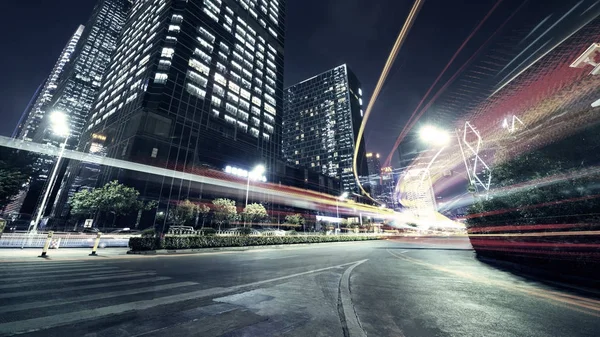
62,254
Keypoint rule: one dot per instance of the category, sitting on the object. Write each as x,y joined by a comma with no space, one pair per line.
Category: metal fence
24,240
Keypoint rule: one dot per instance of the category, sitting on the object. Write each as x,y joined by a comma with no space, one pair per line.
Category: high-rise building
74,89
373,164
193,83
80,82
322,117
30,123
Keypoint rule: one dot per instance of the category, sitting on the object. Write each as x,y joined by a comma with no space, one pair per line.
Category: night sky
321,34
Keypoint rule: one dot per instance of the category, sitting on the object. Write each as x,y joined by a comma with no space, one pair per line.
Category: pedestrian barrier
60,240
47,244
96,243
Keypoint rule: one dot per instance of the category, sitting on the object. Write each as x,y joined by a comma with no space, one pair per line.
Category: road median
196,244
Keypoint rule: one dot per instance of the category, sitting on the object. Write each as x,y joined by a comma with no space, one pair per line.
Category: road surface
407,287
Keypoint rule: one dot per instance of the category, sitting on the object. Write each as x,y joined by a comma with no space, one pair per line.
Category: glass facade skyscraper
322,116
191,83
80,82
32,119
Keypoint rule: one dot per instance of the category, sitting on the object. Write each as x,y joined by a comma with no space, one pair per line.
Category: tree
112,198
84,203
16,168
295,220
184,213
224,211
203,212
255,212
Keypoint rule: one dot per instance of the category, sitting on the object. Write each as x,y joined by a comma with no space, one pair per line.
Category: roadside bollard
96,243
47,244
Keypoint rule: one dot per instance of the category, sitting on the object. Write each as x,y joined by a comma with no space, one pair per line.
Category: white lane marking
352,322
6,267
404,251
79,272
45,282
47,322
100,296
84,287
281,257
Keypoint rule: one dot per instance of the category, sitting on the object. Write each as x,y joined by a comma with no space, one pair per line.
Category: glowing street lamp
255,174
59,126
434,136
337,206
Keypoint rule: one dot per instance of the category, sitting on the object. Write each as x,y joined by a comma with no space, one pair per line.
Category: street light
337,206
257,173
60,127
432,135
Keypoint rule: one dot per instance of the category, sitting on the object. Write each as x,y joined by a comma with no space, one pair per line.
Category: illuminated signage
244,173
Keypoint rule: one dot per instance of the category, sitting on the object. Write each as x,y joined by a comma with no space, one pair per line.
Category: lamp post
60,128
337,207
257,172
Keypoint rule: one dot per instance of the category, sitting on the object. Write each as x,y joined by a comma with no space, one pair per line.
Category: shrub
194,242
245,231
209,231
149,232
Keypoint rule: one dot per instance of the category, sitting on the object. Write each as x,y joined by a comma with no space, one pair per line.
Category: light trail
535,28
410,122
384,74
539,38
542,56
290,196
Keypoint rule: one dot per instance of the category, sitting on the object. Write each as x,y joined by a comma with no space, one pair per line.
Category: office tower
30,122
373,164
374,178
81,78
193,83
322,116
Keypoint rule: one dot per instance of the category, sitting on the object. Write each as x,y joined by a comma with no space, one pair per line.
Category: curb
233,249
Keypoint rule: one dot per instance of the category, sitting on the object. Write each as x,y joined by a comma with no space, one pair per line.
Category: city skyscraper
193,83
30,123
322,116
373,164
80,82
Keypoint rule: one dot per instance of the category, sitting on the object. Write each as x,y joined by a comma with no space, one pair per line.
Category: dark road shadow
426,248
557,279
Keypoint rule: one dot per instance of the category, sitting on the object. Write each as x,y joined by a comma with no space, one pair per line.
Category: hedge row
193,242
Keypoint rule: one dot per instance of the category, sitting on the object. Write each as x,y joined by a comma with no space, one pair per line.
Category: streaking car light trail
286,195
386,69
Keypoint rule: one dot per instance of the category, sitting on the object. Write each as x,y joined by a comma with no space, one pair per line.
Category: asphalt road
408,287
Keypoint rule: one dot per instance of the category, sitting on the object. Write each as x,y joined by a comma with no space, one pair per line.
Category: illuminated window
194,90
160,78
203,69
167,52
220,79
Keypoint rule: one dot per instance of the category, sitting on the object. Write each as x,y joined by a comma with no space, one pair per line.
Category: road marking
79,272
350,317
51,265
404,251
84,287
279,257
100,296
85,279
47,322
567,300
